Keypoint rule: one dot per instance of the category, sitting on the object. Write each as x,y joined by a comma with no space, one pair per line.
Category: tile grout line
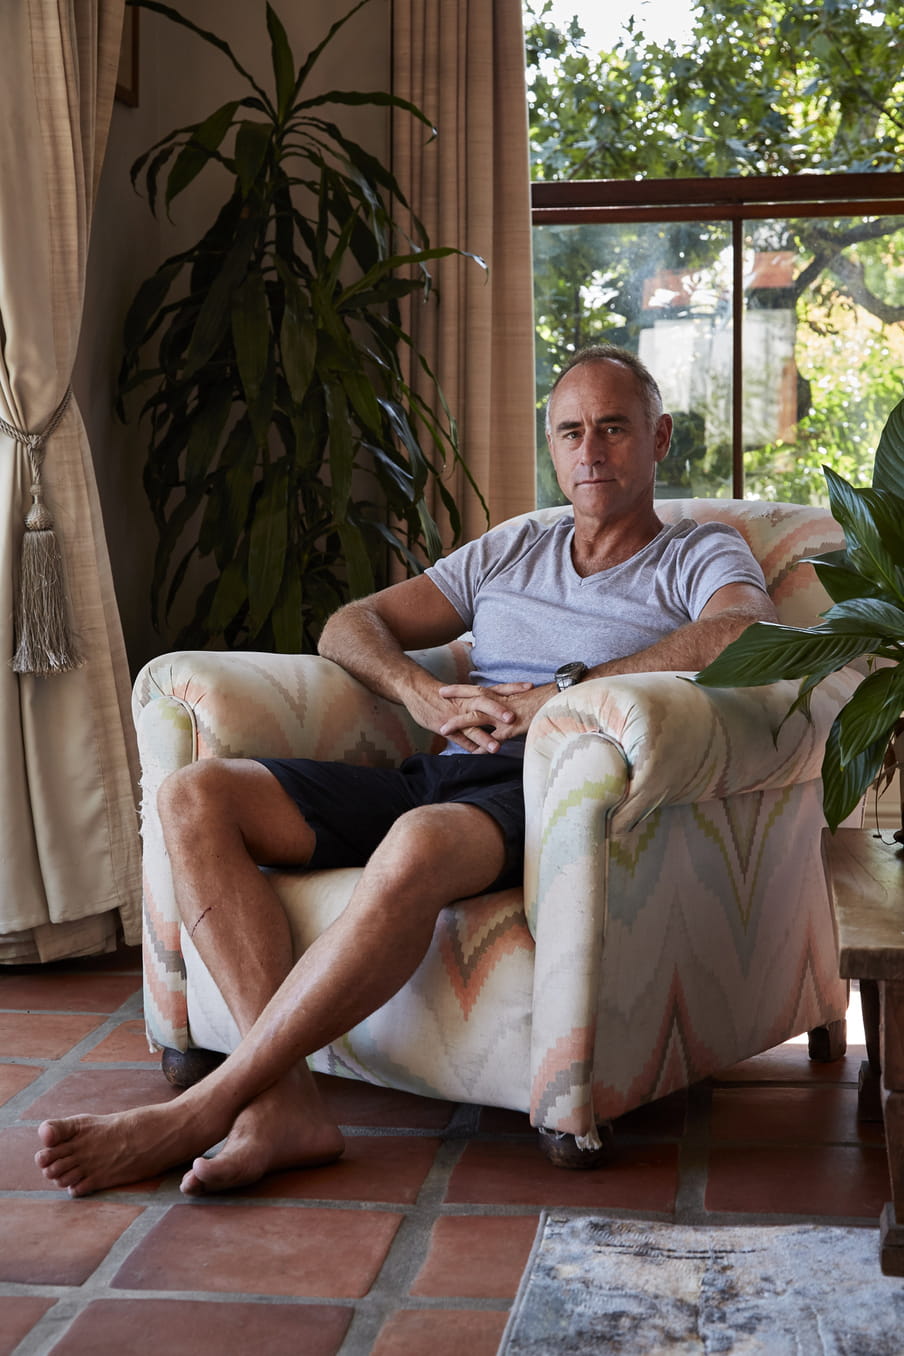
391,1289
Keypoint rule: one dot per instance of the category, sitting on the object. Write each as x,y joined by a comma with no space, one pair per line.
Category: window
769,306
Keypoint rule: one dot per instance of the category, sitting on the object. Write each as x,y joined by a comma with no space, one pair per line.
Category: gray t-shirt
529,611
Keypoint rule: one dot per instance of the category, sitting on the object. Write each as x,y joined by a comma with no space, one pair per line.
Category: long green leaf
267,545
252,145
251,334
357,562
312,57
853,509
767,653
283,63
873,618
286,617
213,321
342,449
219,43
207,425
198,151
840,580
844,784
231,594
888,471
871,713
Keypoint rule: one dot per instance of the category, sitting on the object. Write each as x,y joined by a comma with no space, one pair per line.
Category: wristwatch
569,674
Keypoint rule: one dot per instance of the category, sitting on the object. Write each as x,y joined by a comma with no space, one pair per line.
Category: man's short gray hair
647,388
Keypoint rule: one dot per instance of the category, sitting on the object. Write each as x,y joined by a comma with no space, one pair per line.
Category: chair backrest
778,534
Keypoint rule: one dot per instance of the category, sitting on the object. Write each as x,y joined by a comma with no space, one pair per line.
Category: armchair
674,917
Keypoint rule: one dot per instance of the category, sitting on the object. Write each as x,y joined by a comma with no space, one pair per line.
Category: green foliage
287,449
866,584
780,87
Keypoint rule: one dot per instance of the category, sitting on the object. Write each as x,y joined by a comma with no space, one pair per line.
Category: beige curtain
462,63
69,852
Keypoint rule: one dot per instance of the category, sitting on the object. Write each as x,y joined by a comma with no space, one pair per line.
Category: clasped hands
481,719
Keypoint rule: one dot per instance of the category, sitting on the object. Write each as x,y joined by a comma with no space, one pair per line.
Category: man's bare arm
691,647
369,638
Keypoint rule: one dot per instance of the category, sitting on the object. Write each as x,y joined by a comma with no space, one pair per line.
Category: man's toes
68,1179
52,1163
54,1133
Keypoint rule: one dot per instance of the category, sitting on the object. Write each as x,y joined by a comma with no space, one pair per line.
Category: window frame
733,200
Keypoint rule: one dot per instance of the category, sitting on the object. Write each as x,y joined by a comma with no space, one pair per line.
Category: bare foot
89,1153
277,1130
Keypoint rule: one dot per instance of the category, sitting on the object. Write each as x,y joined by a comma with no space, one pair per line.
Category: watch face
569,674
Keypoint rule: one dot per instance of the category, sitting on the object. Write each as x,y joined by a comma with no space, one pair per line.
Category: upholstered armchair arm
601,758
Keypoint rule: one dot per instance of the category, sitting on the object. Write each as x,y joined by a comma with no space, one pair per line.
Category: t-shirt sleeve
458,576
713,555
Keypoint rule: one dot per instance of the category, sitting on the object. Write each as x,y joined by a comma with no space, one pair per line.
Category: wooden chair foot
563,1152
828,1043
184,1068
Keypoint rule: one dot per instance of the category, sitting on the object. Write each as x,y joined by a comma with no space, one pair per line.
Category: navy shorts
351,809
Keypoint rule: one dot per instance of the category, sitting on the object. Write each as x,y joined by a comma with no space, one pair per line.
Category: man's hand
485,717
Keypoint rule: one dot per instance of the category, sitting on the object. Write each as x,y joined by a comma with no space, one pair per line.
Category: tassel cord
44,644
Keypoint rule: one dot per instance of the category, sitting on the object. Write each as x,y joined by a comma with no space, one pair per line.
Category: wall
181,81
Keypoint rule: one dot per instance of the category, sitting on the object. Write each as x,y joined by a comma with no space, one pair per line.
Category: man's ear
663,437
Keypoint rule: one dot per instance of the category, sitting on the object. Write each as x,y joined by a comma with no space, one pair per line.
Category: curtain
69,850
462,63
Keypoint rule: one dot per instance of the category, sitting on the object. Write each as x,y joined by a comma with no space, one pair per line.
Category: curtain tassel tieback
44,644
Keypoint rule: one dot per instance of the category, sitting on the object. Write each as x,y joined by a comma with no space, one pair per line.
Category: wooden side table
866,882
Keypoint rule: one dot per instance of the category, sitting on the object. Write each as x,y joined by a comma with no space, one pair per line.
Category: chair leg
184,1068
828,1043
563,1152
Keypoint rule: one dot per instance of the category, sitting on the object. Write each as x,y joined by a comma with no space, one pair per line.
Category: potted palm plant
866,584
289,453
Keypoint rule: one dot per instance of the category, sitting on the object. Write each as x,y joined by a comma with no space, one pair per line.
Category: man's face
602,445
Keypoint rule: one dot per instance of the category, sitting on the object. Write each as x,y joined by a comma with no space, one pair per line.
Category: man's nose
592,445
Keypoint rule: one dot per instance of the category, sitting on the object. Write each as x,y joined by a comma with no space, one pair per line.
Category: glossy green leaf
873,618
871,713
844,784
840,580
267,545
888,471
853,509
766,653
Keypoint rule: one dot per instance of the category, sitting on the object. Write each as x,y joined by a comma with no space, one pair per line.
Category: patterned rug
636,1288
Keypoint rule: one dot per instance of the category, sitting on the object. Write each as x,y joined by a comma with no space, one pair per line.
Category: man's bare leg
221,817
431,857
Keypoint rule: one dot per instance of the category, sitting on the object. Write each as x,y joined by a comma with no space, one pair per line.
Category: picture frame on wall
127,75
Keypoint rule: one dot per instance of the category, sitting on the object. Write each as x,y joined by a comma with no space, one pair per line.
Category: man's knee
191,793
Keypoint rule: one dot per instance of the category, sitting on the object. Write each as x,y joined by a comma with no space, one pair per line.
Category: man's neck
601,546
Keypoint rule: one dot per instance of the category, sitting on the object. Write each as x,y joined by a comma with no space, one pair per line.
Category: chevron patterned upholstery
674,917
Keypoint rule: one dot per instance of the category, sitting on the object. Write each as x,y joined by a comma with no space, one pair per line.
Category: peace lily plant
866,584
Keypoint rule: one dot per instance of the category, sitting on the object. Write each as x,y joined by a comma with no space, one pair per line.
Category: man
614,592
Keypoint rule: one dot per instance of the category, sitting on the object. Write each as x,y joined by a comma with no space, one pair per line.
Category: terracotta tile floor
414,1243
